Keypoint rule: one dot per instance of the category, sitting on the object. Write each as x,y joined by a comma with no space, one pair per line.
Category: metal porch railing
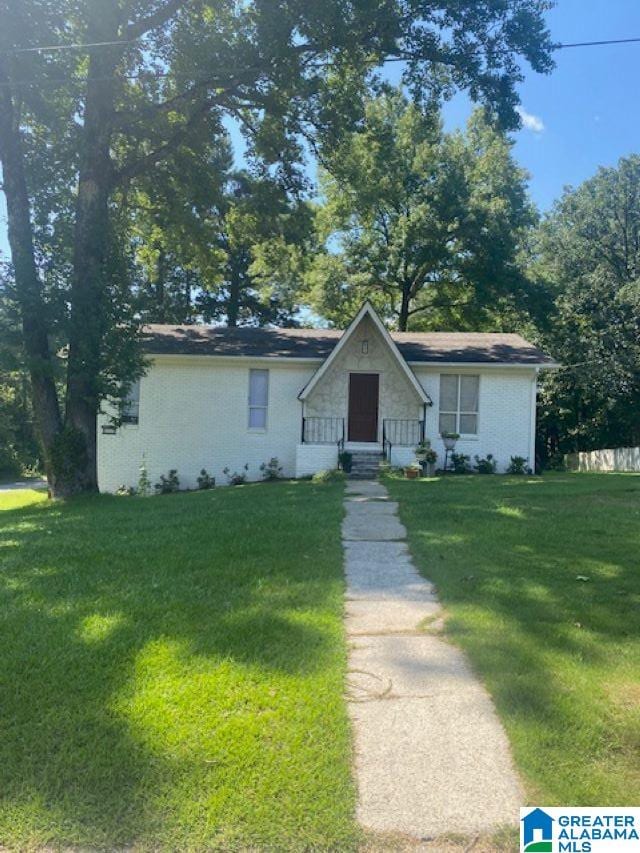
323,431
401,432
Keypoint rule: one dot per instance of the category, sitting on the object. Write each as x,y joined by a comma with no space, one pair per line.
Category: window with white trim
131,404
459,398
258,398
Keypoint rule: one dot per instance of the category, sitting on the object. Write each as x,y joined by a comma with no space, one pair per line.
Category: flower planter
411,473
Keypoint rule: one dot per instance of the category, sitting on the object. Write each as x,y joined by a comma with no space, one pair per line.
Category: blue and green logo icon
537,832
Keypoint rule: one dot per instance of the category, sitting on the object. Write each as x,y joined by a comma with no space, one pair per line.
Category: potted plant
345,460
449,439
427,457
412,472
430,459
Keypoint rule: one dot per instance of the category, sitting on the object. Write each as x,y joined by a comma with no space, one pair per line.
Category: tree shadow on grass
92,594
544,598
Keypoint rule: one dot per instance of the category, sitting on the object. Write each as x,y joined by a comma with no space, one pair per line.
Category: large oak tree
160,73
428,225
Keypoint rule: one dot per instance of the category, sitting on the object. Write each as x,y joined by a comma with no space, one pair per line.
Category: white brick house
219,398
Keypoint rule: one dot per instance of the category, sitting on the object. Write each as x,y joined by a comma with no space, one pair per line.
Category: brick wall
194,414
506,425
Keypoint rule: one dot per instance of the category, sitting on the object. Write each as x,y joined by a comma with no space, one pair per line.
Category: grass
171,672
540,578
17,498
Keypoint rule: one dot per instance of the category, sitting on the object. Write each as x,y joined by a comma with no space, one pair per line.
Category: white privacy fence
615,459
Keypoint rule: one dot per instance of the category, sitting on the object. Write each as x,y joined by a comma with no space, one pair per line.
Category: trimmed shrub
236,478
271,470
518,465
168,484
460,463
486,465
205,480
332,476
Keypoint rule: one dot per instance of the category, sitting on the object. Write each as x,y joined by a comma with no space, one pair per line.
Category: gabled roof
366,310
317,344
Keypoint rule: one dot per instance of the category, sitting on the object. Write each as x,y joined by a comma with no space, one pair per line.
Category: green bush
9,463
486,465
205,480
460,463
518,465
331,476
236,478
144,483
271,470
168,484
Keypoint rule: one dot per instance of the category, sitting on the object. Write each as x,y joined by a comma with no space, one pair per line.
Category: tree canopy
157,78
428,225
588,256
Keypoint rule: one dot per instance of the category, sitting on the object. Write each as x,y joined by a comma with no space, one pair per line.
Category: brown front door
363,406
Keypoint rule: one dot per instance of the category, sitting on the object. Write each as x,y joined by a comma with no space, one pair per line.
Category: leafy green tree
589,259
211,242
167,244
263,238
164,74
427,225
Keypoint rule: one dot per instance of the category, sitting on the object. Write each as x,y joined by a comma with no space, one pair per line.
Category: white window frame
131,407
458,413
252,406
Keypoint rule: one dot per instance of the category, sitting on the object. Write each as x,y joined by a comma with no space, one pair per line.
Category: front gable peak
367,311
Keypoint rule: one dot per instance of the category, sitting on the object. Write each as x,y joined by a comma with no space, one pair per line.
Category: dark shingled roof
427,347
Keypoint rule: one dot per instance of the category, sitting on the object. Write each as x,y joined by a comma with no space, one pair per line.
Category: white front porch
364,399
322,440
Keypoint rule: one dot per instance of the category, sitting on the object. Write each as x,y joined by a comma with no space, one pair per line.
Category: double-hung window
131,404
459,397
258,398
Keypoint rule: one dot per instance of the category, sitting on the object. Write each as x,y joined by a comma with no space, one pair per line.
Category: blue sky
583,115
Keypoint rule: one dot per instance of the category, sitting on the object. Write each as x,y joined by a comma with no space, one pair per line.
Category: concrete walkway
431,756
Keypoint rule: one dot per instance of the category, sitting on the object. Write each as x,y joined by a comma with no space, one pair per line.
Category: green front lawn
541,581
17,498
171,671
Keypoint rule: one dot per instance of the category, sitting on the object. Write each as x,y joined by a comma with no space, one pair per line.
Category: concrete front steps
365,464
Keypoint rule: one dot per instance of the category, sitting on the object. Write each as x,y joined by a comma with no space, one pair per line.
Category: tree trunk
233,305
403,317
28,286
87,325
160,294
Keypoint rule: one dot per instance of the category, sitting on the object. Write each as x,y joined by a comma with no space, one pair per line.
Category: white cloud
529,121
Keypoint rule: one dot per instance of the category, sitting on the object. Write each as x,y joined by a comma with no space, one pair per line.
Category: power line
121,42
563,45
144,75
151,75
49,47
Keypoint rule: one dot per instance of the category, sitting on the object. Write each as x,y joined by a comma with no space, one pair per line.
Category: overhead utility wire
562,45
150,75
45,48
83,46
